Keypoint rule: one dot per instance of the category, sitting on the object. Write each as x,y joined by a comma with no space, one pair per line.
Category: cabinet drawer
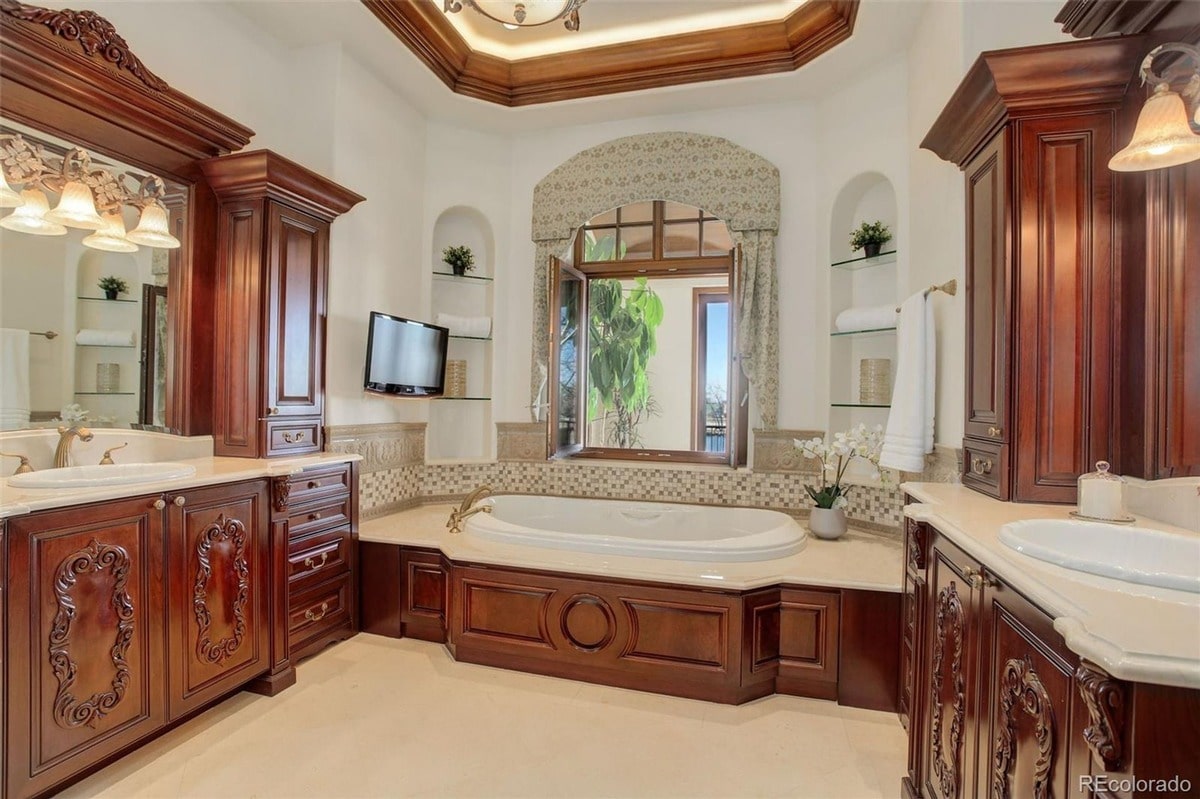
324,483
319,557
319,609
318,516
292,436
985,467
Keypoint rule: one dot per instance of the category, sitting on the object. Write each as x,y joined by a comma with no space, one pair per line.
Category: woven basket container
456,379
875,381
108,378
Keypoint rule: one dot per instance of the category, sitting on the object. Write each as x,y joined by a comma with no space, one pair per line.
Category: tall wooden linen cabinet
1055,240
273,225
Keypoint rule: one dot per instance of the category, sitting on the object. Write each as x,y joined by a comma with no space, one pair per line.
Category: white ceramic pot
827,523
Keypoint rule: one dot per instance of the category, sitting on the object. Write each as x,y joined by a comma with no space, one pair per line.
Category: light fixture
523,14
30,217
86,192
111,237
1163,137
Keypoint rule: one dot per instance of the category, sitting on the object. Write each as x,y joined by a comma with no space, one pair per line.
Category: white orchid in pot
828,519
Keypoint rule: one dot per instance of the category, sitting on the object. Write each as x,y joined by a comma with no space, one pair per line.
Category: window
642,339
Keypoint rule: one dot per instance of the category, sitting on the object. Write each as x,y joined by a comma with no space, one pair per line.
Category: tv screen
405,357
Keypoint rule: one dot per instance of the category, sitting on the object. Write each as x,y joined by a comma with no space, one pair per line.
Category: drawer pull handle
294,439
981,466
994,432
317,615
314,564
159,504
976,578
312,517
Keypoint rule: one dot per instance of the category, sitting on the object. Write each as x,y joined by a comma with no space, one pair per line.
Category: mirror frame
70,74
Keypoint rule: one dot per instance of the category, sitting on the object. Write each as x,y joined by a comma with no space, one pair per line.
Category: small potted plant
870,237
828,519
460,259
112,285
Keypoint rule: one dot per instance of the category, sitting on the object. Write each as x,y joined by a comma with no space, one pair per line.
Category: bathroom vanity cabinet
996,704
125,616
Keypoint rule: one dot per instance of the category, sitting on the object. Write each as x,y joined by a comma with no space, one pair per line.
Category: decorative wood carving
588,622
755,49
949,621
221,530
1019,683
69,712
916,545
281,489
1105,701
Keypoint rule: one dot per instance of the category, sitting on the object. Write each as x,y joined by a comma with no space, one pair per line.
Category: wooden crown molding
754,49
1089,18
1008,84
261,173
71,74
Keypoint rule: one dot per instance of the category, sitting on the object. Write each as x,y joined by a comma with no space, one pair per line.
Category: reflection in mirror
107,364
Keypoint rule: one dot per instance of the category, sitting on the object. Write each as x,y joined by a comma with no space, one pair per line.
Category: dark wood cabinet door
218,549
425,594
988,278
951,663
85,643
297,255
1032,741
1064,323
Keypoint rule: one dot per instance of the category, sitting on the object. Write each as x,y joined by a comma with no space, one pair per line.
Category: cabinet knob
313,484
312,517
981,466
179,501
272,411
994,432
159,504
313,614
292,439
313,564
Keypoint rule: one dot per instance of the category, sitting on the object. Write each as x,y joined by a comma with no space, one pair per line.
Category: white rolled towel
473,326
105,338
866,318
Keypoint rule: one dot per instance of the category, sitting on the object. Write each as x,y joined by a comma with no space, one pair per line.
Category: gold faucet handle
24,468
106,459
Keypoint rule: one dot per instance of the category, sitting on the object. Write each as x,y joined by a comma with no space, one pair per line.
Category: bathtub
638,529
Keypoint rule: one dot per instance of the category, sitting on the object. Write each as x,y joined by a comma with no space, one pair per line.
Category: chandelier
527,14
90,198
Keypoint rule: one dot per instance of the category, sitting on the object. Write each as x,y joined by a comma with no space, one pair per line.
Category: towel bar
49,334
950,287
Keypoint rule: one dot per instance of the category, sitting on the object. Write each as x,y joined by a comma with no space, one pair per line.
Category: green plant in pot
112,285
831,495
870,238
460,259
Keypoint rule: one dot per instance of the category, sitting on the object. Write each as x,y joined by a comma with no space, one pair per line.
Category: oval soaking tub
638,529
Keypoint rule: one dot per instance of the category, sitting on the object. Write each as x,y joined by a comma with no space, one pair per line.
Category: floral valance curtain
727,181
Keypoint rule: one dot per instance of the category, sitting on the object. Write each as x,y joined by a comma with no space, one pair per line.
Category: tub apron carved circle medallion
588,622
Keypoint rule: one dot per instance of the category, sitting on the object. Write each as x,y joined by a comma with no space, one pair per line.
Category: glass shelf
855,405
874,331
862,262
104,394
105,299
464,399
110,346
452,276
472,338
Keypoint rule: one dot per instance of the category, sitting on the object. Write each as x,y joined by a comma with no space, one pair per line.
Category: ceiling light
111,237
76,208
1162,137
152,229
30,217
524,14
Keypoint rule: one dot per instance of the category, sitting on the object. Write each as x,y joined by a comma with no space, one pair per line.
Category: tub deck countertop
863,560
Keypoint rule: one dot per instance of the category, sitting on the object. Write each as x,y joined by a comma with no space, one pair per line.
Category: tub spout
476,495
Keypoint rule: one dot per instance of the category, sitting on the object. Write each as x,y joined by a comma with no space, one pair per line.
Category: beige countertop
862,560
1133,632
209,471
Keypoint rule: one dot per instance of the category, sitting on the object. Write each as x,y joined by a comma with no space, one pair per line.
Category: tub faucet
66,435
465,511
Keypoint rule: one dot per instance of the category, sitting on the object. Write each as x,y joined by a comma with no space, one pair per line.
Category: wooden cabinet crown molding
71,74
1008,84
1087,18
754,49
259,174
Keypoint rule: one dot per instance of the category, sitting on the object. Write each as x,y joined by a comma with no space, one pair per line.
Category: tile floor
376,717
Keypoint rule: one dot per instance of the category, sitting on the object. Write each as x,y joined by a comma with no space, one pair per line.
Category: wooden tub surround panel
715,645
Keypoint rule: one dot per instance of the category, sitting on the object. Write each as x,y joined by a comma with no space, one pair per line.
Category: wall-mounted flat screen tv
405,357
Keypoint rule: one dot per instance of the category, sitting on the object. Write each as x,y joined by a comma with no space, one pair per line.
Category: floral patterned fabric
727,181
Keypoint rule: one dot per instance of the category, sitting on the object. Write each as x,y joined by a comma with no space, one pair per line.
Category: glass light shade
76,208
31,216
1162,137
153,230
8,197
536,12
111,237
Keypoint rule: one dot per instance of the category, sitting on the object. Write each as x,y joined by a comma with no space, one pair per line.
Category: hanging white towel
909,433
14,378
105,338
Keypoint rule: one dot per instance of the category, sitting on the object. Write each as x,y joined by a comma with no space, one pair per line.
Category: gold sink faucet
66,435
465,511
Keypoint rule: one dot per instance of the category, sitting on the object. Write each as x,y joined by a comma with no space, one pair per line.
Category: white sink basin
120,474
1132,554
